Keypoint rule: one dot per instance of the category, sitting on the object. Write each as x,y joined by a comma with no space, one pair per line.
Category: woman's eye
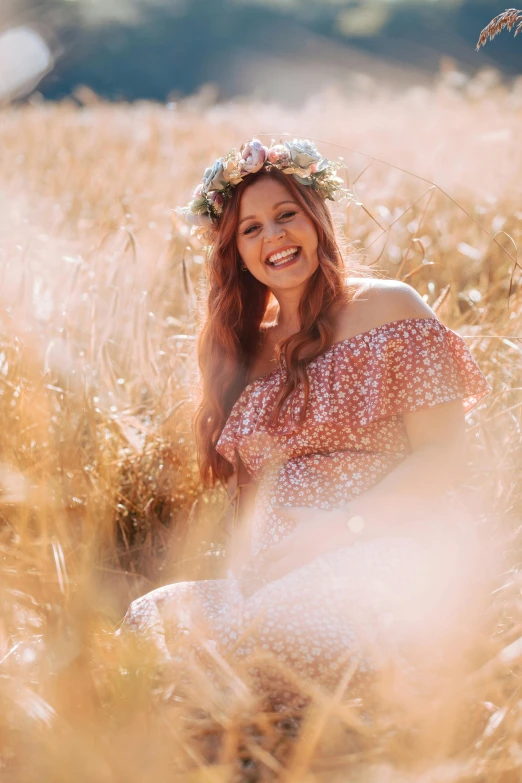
283,216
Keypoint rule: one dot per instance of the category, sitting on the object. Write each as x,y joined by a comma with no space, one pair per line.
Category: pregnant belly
323,481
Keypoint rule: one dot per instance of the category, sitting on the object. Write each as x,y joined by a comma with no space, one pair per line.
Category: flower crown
299,157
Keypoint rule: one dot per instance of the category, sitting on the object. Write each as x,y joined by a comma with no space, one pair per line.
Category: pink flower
279,154
198,191
217,200
253,156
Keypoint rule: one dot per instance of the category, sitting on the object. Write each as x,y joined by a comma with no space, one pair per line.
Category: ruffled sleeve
247,425
227,442
419,363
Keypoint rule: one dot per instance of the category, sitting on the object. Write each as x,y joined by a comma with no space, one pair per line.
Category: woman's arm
400,502
437,437
436,464
405,497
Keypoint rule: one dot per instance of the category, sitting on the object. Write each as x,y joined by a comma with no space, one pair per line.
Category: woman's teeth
282,258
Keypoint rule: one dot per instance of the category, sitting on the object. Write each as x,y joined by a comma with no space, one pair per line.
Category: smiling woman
255,224
276,238
335,403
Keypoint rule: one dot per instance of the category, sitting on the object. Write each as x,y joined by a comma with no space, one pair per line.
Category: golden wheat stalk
510,18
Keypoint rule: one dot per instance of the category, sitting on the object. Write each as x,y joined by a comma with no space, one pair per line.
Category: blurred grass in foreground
99,495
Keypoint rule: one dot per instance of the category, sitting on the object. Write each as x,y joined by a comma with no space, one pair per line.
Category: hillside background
267,49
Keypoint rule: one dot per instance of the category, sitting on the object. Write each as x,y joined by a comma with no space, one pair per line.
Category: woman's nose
275,231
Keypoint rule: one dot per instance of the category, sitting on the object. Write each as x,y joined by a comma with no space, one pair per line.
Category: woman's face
275,237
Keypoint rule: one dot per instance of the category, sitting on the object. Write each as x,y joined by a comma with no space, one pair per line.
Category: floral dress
365,604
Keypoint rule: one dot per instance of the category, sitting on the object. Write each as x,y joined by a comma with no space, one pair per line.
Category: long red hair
236,306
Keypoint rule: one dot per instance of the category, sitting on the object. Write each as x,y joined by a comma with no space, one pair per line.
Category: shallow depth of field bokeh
101,293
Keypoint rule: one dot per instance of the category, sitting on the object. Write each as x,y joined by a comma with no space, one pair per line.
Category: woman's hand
316,532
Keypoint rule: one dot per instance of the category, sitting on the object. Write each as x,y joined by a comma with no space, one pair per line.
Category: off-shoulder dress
357,603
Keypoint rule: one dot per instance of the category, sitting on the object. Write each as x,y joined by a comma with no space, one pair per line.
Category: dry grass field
101,293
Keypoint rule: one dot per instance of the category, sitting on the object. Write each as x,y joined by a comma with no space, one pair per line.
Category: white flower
213,178
207,236
194,219
253,156
232,168
303,153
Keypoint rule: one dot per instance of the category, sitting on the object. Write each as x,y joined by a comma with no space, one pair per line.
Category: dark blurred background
280,49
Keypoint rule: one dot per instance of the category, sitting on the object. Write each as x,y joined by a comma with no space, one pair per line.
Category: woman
336,406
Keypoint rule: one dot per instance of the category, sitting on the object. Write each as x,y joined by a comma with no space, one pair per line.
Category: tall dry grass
100,499
507,20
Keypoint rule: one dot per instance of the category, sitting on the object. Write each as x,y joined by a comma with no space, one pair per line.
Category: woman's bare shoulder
374,302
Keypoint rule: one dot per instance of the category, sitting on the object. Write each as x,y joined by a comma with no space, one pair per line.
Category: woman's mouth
287,260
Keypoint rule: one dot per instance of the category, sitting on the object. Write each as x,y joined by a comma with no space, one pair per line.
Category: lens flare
24,58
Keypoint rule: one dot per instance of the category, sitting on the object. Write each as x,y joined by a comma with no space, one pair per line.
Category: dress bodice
359,388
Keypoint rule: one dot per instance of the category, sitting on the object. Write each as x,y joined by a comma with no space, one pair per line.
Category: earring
243,268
